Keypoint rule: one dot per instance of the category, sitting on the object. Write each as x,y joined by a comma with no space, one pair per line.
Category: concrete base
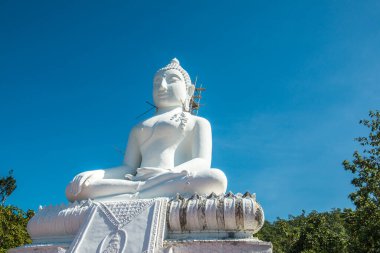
200,224
41,248
174,246
216,246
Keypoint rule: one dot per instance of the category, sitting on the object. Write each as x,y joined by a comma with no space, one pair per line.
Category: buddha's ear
190,90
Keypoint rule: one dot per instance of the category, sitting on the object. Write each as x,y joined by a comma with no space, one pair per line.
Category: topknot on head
174,64
174,61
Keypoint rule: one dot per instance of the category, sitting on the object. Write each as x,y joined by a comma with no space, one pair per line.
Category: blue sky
287,83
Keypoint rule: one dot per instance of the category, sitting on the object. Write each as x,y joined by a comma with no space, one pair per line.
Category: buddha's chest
165,129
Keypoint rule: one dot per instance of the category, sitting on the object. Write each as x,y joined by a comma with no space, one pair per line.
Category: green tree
13,220
283,233
7,186
351,231
13,223
312,233
322,233
364,223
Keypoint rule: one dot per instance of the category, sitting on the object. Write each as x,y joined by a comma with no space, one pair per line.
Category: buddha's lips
161,95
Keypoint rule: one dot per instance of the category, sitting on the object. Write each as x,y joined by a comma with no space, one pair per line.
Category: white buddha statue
166,154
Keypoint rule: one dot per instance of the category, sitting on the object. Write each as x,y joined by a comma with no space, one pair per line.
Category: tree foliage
7,186
13,223
13,220
351,231
312,233
365,166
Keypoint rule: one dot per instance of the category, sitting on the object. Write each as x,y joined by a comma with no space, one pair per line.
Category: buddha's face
169,89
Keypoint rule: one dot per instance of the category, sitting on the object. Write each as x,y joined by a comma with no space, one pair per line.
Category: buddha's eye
157,81
174,79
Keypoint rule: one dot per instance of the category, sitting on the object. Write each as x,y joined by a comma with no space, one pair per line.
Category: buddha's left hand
184,172
145,173
84,179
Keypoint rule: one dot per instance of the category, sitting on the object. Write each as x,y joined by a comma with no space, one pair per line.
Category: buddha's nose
163,85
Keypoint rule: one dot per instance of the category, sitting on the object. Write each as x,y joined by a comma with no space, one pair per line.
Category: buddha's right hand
84,179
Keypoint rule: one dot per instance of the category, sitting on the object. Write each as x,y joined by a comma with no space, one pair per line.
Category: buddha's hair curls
174,64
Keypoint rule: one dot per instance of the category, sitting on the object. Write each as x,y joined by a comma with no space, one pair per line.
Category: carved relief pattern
120,214
114,245
221,246
180,117
158,226
209,212
60,220
215,213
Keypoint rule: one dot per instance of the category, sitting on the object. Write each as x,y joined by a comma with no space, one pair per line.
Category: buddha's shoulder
146,122
138,127
201,122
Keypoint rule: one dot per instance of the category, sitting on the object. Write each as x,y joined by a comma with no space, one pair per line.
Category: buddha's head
172,86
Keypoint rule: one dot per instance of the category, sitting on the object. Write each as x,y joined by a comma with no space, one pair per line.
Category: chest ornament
180,117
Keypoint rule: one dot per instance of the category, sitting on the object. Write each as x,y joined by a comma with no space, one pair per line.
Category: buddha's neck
168,109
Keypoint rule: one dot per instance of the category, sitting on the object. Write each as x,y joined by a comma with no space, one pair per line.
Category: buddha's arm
132,160
132,157
201,148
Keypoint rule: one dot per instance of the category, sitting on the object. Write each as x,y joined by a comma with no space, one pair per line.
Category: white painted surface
58,223
166,154
229,214
40,248
218,246
210,211
214,214
132,226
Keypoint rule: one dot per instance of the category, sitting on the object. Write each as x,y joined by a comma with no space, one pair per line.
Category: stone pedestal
41,248
224,223
218,246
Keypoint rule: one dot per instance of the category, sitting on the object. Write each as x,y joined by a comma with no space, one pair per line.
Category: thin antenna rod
199,98
119,150
153,107
149,103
